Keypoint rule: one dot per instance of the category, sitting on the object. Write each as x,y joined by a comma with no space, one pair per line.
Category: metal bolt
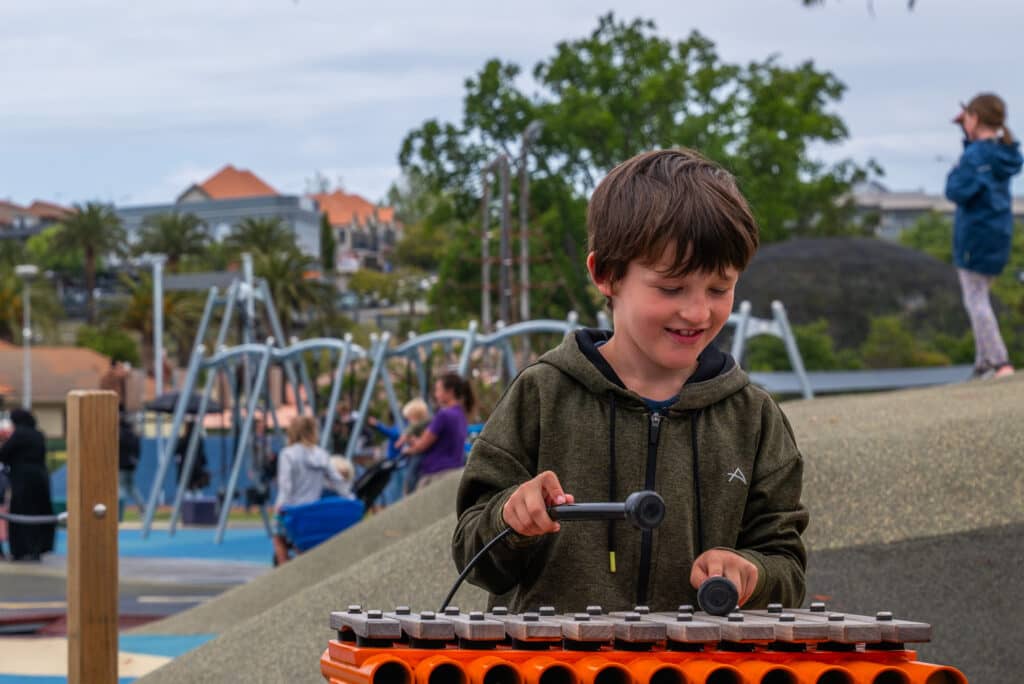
403,610
500,610
581,617
547,611
883,616
735,617
836,617
375,614
531,617
427,615
631,617
643,610
787,617
476,616
99,510
774,607
685,608
818,607
355,608
451,610
684,617
593,610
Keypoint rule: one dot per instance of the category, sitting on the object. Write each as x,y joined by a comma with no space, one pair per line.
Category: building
894,212
55,372
20,222
231,195
365,233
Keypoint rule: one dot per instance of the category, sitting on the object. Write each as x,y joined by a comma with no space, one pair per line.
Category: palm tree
95,230
173,234
181,314
293,294
261,235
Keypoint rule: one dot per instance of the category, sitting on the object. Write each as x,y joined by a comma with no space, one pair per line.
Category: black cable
469,566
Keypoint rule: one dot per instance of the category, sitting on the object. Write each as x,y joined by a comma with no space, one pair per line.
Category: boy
653,406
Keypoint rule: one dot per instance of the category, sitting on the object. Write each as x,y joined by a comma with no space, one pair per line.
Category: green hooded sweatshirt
603,441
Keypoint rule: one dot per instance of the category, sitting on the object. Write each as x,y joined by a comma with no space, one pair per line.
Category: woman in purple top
443,443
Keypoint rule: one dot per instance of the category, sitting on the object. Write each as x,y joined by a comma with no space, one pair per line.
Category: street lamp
27,272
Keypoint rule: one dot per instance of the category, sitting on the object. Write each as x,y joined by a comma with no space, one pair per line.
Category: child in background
417,417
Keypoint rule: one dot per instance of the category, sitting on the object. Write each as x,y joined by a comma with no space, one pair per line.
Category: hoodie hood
717,375
1004,159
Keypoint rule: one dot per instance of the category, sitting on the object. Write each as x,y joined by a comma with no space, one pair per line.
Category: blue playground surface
248,544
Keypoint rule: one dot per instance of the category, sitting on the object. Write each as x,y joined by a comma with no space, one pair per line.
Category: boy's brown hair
669,198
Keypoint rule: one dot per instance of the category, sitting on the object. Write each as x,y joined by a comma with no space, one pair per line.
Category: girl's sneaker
1003,371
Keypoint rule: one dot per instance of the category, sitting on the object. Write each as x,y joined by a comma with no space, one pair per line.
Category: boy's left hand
732,566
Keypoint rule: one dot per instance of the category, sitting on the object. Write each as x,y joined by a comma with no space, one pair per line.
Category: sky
131,103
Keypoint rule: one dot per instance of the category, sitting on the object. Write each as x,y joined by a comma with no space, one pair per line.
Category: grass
163,514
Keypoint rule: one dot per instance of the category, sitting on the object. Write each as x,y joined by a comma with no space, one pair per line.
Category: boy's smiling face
663,323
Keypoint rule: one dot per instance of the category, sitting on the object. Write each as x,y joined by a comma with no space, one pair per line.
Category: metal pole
158,345
505,274
531,132
26,338
485,254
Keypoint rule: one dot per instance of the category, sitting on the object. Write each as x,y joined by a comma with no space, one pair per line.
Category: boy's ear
604,284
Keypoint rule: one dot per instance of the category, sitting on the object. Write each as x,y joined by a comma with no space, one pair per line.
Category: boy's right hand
526,511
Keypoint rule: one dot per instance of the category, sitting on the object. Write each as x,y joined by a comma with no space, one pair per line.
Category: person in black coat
24,452
129,447
199,476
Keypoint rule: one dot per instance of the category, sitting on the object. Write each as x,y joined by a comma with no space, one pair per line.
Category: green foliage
891,345
767,353
328,245
931,234
173,234
46,310
605,97
110,340
41,249
295,296
92,230
260,235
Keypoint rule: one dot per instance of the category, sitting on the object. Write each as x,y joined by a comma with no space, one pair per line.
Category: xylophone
773,646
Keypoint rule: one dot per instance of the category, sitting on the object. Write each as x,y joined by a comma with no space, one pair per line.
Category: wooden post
92,536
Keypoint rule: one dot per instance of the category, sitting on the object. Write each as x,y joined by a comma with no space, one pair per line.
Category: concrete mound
334,556
916,507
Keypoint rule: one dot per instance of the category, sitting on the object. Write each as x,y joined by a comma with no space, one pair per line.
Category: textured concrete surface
397,522
917,502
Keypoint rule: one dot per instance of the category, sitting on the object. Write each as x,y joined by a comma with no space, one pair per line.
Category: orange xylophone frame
636,647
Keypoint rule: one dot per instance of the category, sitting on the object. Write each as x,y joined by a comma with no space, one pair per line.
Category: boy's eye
670,290
719,291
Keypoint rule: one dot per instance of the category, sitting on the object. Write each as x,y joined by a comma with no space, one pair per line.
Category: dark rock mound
848,281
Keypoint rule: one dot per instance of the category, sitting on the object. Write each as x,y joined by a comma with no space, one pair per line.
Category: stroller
307,525
374,479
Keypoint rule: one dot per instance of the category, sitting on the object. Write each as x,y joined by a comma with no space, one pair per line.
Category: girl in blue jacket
979,185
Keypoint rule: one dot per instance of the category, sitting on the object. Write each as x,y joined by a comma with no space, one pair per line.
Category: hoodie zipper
646,537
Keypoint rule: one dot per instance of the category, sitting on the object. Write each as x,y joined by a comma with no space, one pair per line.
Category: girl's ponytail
1007,138
461,388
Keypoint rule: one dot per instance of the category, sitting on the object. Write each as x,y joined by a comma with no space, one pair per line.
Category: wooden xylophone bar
798,646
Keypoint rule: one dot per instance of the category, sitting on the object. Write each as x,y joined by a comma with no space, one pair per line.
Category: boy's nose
695,311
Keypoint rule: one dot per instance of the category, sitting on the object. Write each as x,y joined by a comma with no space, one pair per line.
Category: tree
41,249
182,312
294,295
93,229
109,340
932,234
46,310
174,235
328,245
608,96
260,235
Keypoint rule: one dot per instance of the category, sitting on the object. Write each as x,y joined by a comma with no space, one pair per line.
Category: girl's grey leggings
989,350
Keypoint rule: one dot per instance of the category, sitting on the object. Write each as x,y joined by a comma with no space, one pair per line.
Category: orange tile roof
49,210
232,183
342,208
55,370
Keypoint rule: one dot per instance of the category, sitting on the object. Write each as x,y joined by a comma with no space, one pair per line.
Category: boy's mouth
685,334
